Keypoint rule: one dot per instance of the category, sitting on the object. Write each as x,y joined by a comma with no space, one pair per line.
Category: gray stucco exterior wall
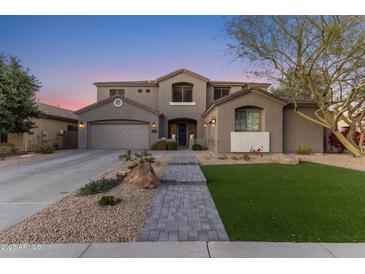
272,119
299,131
183,111
108,111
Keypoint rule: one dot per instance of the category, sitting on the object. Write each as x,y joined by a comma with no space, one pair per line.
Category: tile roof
57,112
285,101
109,99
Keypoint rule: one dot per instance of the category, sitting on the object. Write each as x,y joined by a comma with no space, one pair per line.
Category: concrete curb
187,250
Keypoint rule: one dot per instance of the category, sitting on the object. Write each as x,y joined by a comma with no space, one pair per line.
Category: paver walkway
183,209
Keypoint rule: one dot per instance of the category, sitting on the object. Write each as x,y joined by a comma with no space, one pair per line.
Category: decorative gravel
80,219
339,160
23,158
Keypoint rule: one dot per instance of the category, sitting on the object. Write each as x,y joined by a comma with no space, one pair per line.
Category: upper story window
113,92
182,92
3,138
139,90
220,92
148,90
247,119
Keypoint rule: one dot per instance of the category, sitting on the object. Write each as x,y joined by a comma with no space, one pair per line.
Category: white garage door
119,136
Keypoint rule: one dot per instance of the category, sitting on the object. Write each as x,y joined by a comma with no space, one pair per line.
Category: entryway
181,129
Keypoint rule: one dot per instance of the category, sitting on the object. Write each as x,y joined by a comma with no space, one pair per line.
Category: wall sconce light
205,125
213,122
81,125
154,125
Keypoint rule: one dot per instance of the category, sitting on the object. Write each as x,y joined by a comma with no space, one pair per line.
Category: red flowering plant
258,151
334,142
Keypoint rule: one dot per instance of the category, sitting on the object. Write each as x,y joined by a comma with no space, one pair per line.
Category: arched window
248,119
182,92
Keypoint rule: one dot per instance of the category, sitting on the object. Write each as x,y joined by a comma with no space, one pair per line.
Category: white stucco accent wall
244,141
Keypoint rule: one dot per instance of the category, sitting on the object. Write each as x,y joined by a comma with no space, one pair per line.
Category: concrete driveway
29,187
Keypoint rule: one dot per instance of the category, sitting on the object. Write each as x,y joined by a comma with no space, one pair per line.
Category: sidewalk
191,250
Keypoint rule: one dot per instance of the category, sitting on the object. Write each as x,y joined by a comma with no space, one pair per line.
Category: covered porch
183,130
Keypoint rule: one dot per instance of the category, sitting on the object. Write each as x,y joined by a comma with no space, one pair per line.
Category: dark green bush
159,145
171,145
303,150
98,186
196,147
202,147
133,166
126,157
109,200
47,149
6,148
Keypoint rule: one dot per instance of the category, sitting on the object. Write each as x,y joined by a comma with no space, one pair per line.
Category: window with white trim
182,92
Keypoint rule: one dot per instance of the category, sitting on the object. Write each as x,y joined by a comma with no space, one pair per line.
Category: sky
69,53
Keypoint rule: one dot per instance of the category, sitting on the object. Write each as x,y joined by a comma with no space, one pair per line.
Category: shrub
109,200
196,147
98,186
333,140
246,157
171,145
236,158
47,149
133,166
7,148
203,147
303,150
159,145
126,157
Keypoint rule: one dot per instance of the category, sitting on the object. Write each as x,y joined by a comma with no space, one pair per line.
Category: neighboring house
225,116
56,126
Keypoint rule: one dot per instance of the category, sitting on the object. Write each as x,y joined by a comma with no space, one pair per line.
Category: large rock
284,159
142,176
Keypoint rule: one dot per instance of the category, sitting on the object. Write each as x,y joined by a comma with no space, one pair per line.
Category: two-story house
225,116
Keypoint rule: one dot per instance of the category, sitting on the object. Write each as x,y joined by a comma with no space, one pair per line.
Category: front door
182,134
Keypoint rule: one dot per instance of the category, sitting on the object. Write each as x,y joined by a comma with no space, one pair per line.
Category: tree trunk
348,145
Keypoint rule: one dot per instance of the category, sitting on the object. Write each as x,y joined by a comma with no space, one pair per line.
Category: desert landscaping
80,218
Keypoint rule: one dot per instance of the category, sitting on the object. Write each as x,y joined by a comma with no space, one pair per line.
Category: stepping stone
183,160
183,174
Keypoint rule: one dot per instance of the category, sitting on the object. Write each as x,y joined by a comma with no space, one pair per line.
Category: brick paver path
183,211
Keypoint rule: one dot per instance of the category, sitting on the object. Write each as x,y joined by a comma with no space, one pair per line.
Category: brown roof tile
57,112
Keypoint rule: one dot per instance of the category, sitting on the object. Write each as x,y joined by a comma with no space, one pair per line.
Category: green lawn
303,203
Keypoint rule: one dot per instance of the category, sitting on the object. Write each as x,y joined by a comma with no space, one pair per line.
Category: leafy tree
17,97
322,57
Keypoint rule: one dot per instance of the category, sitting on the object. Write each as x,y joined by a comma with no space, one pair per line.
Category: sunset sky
68,53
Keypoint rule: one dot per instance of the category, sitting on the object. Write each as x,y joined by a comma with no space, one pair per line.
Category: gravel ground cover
76,219
22,158
236,158
338,160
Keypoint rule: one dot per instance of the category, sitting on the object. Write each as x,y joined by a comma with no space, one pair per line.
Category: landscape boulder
142,176
284,159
